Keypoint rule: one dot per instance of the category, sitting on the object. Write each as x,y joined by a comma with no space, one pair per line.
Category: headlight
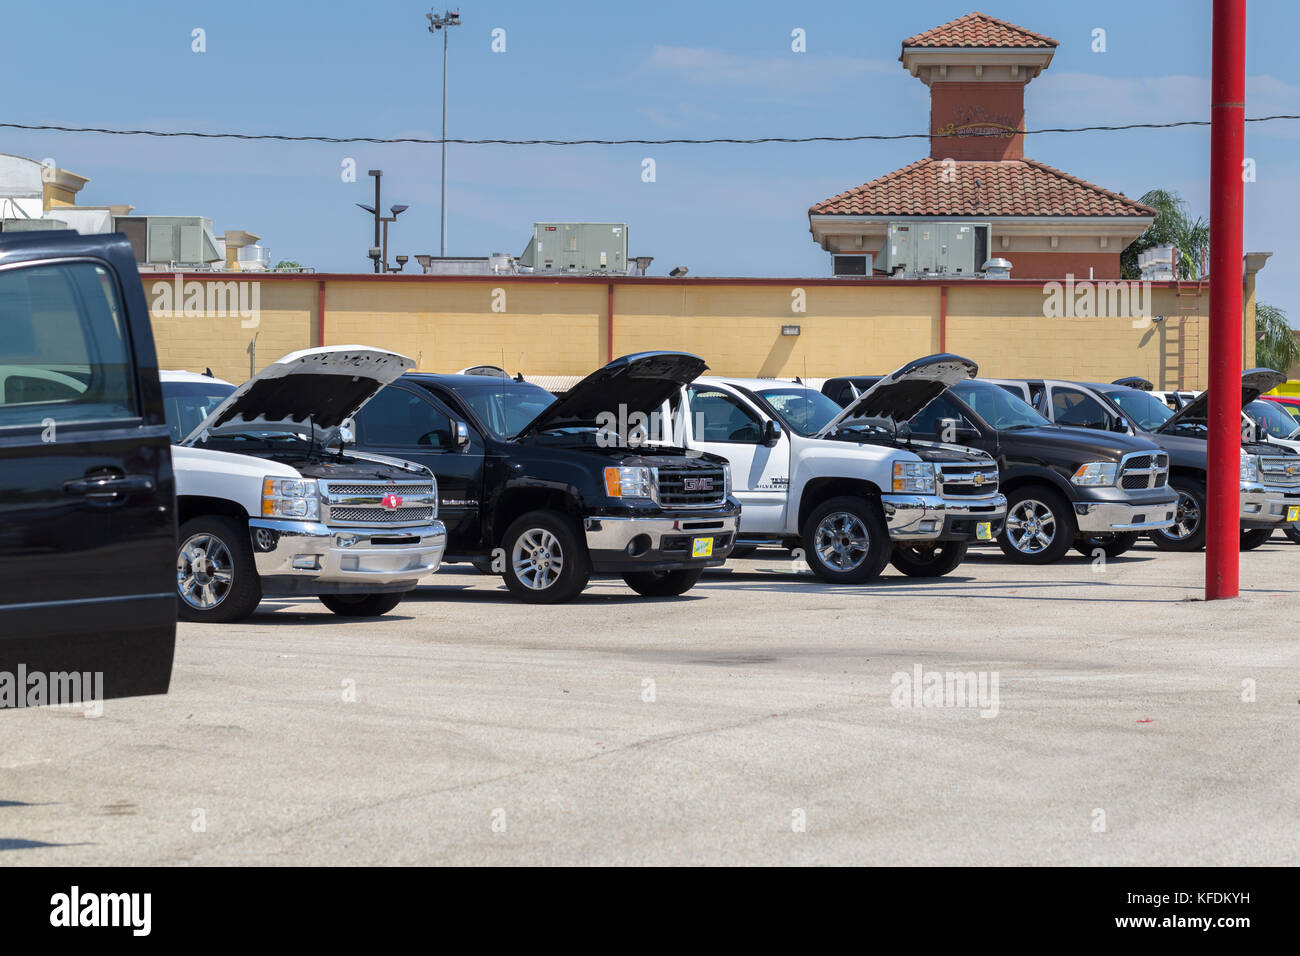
1096,473
629,482
915,477
290,498
1250,468
726,481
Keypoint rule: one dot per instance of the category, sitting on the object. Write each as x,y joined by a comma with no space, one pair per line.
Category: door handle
108,489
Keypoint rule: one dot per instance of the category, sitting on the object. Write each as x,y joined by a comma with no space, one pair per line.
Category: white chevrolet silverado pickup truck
847,486
270,504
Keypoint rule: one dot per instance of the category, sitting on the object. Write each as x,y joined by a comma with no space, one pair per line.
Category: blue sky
607,70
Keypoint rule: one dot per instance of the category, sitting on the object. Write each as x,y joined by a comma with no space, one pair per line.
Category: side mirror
346,435
1119,425
462,435
771,432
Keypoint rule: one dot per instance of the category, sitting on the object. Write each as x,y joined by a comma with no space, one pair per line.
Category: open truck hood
902,394
1254,383
311,389
638,383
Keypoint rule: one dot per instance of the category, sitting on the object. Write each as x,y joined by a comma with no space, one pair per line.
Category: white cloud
796,73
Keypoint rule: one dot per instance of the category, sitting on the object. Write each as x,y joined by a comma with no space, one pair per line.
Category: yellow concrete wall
554,327
737,329
543,328
1008,333
286,323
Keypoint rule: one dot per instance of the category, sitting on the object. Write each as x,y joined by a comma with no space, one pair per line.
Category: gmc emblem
391,501
697,484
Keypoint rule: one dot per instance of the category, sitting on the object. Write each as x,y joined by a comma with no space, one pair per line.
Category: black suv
1064,486
87,512
548,491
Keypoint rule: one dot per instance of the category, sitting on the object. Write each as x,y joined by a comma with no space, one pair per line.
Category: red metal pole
1227,148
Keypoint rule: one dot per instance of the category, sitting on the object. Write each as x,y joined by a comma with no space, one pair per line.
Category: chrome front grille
380,515
976,479
1280,471
1142,470
691,487
384,503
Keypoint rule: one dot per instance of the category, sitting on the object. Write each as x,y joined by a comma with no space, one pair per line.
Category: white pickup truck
848,486
269,503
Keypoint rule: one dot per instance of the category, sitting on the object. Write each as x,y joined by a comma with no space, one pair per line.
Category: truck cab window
1070,406
926,421
64,354
722,418
399,419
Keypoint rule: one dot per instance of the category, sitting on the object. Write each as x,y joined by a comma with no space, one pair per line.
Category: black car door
87,500
409,422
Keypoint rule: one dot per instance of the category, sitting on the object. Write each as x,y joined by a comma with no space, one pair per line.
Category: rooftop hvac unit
920,248
577,248
170,240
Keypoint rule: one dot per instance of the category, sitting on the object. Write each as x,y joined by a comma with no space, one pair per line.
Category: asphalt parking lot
753,720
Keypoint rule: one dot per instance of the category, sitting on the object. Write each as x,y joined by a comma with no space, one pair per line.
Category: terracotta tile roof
1009,187
979,30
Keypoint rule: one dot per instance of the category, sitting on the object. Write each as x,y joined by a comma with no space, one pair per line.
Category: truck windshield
1143,409
186,404
505,408
998,407
801,409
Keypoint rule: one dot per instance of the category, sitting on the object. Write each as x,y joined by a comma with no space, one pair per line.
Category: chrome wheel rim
537,558
205,571
1031,526
1186,519
841,541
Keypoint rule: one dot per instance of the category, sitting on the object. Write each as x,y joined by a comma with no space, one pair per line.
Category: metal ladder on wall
1182,346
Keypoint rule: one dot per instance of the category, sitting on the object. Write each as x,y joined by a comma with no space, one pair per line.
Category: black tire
1112,545
361,605
1253,538
216,579
1035,512
663,583
743,550
853,531
548,537
1188,532
1292,532
928,561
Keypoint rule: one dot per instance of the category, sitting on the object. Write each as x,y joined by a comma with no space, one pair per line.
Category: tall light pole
450,18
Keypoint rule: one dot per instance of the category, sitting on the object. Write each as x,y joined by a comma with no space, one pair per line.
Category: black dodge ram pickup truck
1064,486
87,507
1270,473
542,491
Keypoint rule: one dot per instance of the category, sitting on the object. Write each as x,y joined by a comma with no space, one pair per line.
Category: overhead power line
624,142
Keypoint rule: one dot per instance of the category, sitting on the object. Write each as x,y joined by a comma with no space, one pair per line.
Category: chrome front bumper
932,518
1113,517
1265,505
615,534
305,557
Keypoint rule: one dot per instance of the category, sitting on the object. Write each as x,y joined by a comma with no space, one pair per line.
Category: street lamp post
450,18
